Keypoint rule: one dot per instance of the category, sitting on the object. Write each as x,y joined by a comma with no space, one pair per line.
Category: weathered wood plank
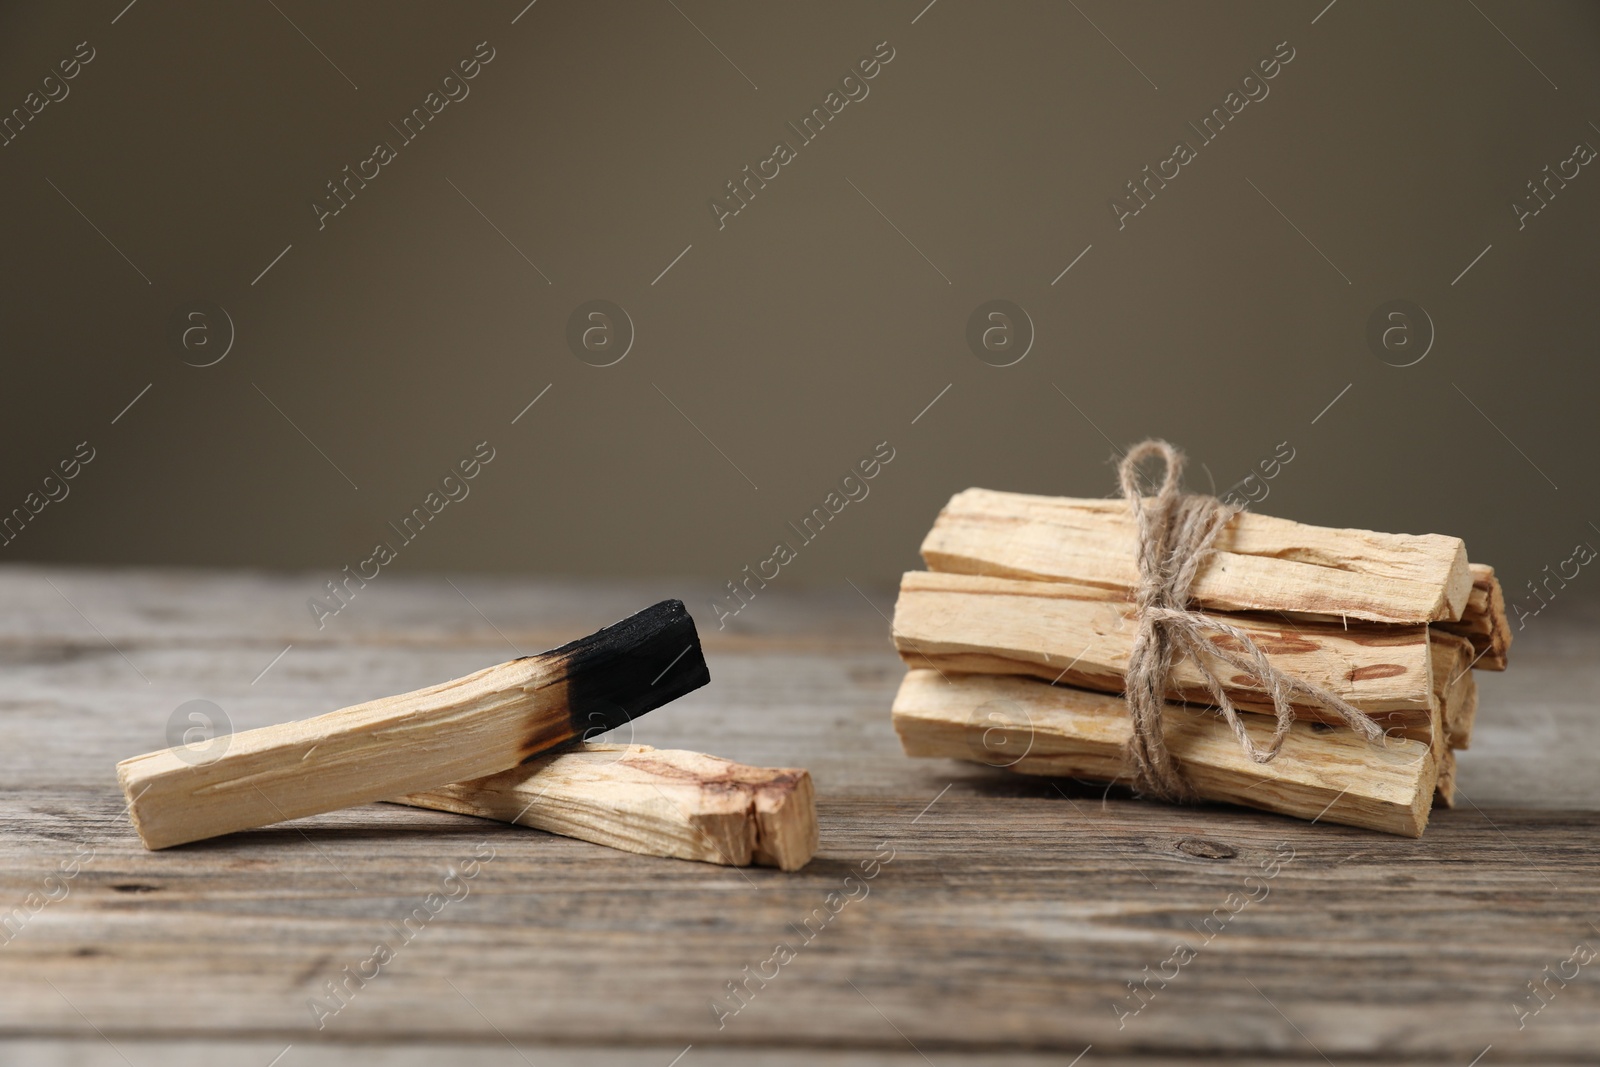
492,1051
1010,915
554,932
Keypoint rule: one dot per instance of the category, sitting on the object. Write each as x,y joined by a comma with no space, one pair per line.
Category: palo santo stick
486,722
1035,728
658,802
1260,563
1484,622
1456,691
1455,700
1454,685
1444,791
1082,636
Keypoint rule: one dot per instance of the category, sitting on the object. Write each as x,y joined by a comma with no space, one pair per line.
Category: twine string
1177,532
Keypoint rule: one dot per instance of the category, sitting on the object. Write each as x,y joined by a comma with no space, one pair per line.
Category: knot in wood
1200,848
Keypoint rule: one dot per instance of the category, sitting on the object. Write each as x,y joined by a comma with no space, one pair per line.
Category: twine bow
1176,532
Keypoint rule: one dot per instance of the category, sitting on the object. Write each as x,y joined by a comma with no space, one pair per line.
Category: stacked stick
1020,633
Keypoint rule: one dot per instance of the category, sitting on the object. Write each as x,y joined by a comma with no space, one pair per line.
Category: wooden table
1009,922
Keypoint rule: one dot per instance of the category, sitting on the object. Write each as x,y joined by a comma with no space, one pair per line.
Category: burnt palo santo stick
486,722
658,802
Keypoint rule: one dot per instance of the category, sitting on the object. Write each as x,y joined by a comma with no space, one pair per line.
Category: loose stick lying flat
658,802
1082,636
1484,622
1260,564
486,722
1041,729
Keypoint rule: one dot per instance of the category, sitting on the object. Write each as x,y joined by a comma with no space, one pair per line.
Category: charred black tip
631,667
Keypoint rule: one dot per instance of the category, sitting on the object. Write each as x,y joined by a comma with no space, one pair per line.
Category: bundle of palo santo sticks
1031,634
509,742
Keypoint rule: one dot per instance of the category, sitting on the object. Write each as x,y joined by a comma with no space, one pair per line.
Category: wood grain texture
1083,636
1030,727
205,1052
1484,622
482,723
1454,685
1455,691
657,802
1260,563
1011,916
1444,794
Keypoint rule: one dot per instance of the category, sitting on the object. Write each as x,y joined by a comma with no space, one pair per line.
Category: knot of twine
1176,532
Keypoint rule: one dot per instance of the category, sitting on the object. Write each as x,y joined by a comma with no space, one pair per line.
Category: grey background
821,320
